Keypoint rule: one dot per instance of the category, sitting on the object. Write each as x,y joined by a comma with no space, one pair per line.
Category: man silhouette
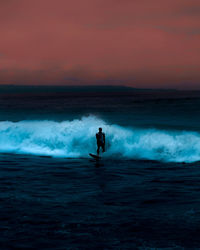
100,136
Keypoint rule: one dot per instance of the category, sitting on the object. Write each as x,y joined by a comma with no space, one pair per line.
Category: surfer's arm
104,138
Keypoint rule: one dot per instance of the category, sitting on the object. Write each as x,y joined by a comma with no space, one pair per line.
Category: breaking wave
76,139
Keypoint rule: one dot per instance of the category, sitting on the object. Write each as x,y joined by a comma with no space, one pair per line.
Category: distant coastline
78,88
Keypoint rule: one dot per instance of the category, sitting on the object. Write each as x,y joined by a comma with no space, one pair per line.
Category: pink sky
139,43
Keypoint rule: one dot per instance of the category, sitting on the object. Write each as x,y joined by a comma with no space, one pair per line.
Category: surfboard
95,156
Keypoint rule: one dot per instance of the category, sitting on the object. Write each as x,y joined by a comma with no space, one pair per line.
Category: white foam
77,138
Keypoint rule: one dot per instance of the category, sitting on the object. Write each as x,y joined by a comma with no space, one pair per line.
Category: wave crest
77,138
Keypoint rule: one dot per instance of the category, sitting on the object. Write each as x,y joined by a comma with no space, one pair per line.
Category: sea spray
76,138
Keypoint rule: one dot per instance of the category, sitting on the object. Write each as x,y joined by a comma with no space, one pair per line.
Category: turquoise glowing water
76,138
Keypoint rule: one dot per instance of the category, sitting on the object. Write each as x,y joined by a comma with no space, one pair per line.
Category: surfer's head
100,129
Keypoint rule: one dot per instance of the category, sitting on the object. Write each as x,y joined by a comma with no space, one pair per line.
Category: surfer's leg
98,149
103,147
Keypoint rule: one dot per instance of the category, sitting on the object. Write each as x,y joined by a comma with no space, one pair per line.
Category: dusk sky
139,43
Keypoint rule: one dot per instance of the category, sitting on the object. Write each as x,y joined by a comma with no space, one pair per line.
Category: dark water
143,194
81,204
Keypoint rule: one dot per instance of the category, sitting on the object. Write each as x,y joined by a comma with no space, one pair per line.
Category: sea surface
144,193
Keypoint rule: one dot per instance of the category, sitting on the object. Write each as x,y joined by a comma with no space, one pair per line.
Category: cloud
178,30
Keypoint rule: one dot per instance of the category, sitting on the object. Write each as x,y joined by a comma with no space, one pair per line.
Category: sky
138,43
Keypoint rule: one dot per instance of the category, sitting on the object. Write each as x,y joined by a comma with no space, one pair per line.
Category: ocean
143,194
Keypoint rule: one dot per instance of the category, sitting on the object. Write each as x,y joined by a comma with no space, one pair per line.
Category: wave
76,139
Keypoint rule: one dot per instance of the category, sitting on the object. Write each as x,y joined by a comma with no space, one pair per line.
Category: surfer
100,136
